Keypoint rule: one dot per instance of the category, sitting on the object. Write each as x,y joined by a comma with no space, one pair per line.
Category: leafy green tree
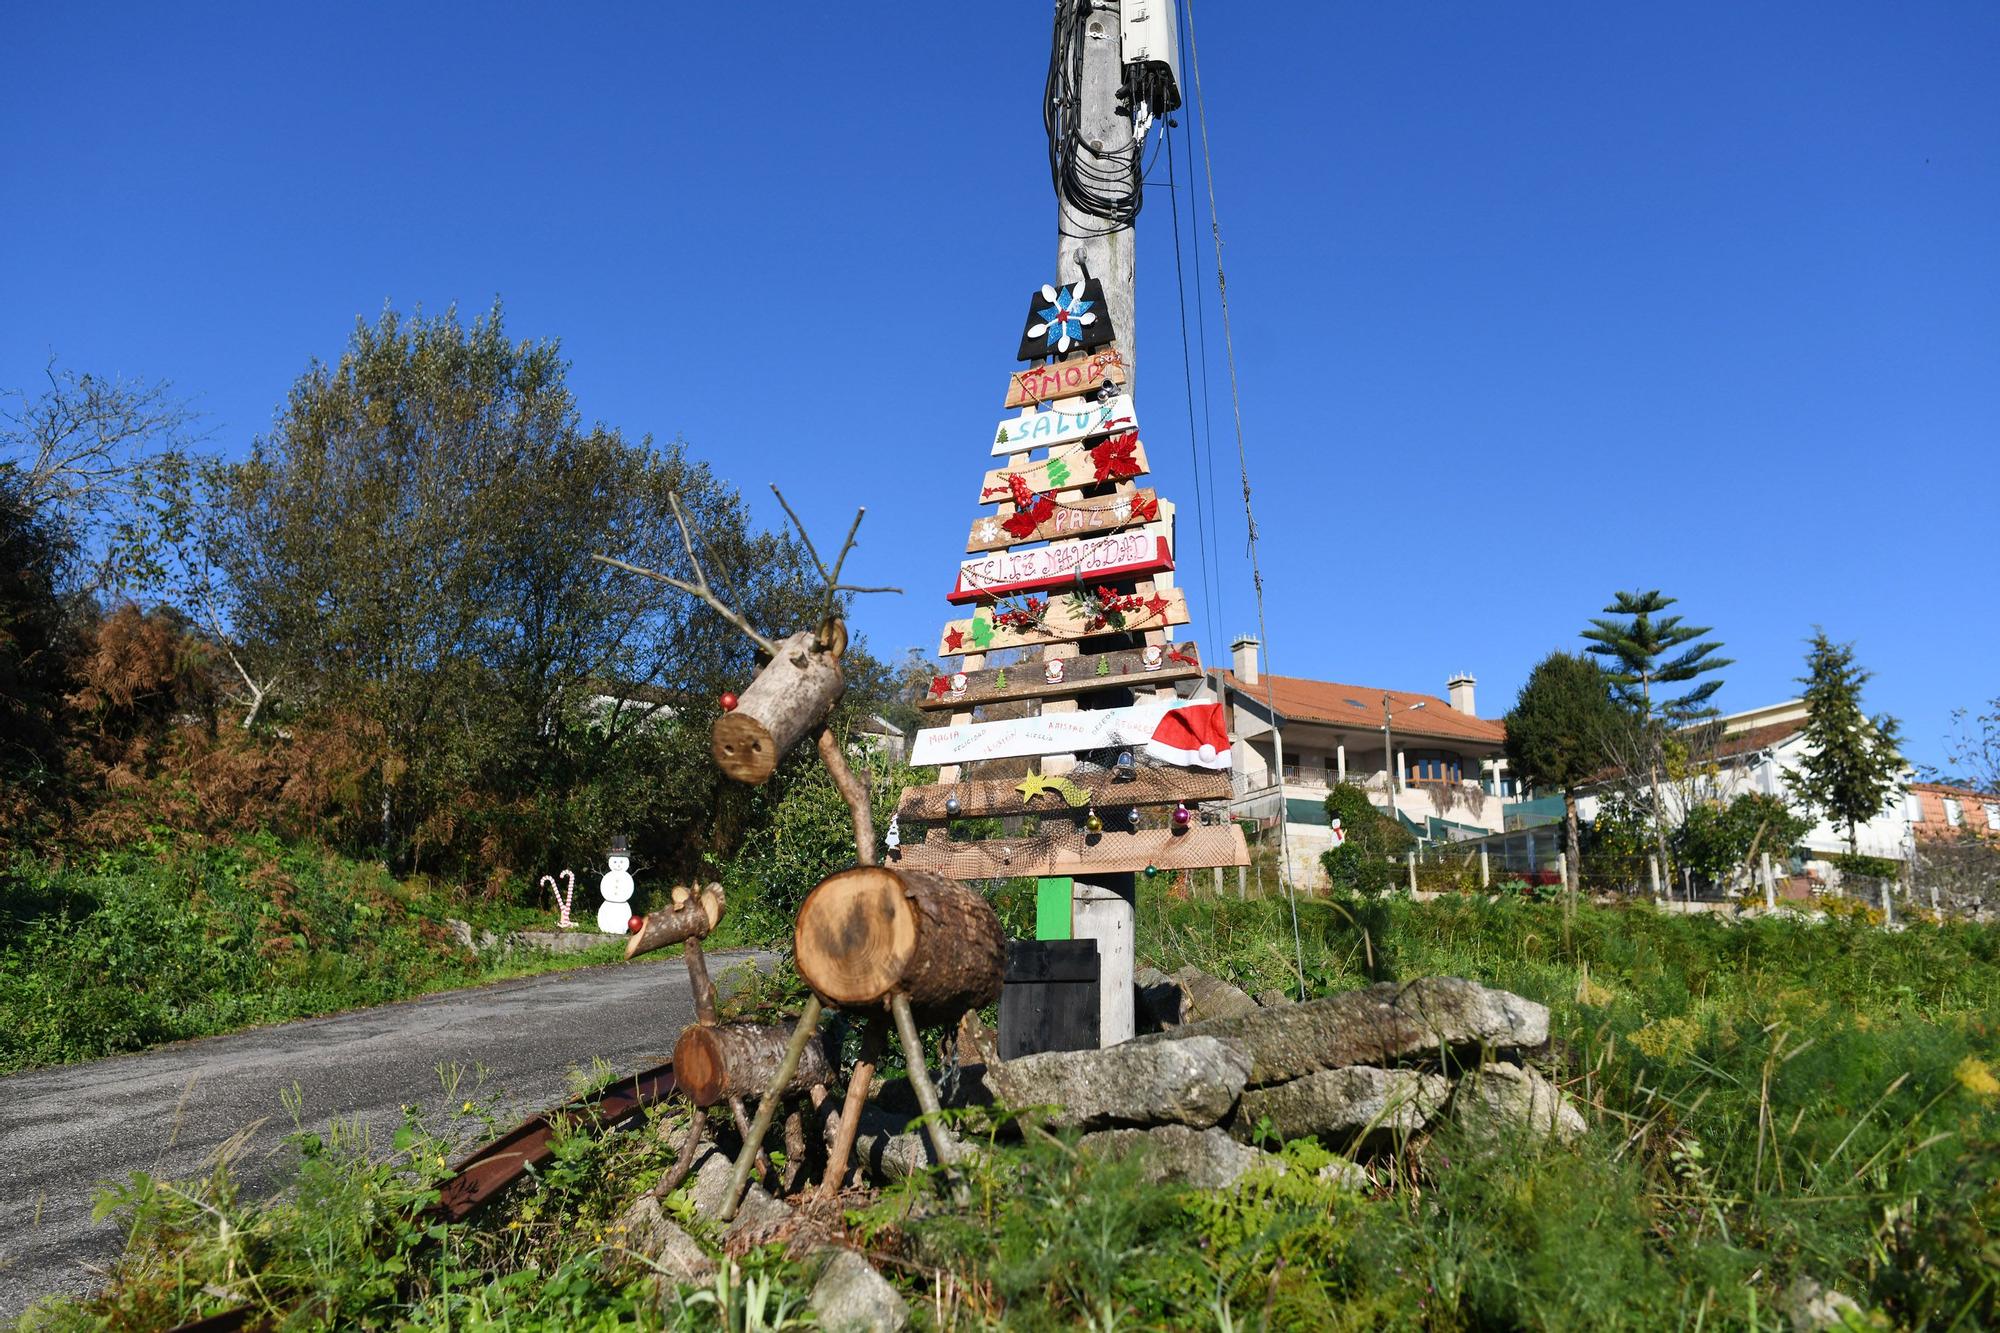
410,546
1560,734
1713,839
34,668
1366,862
1851,765
1645,651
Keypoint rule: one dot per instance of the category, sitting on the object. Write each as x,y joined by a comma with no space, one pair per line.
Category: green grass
161,943
1768,1103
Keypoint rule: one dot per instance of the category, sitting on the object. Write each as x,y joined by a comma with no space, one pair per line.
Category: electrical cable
1100,181
1243,469
1209,581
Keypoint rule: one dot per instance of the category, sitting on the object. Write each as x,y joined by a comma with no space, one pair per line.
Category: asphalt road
62,1131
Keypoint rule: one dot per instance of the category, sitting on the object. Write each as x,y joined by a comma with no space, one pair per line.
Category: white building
1761,751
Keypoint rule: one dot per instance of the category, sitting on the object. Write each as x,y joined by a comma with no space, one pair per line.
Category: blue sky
1531,302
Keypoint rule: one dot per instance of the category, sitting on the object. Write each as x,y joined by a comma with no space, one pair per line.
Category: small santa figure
614,914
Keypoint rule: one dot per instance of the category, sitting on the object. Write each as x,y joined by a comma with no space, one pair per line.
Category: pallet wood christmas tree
1073,564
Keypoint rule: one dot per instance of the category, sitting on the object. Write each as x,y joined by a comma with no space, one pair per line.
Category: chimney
1243,655
1460,688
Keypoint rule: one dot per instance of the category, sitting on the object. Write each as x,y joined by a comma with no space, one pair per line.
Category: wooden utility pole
1103,908
1086,244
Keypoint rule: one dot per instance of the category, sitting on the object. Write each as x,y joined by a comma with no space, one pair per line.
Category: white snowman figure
615,912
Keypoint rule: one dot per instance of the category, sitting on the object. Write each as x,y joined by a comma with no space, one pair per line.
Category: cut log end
744,748
875,931
859,931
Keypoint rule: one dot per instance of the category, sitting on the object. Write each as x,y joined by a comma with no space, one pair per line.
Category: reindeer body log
875,931
792,696
689,917
713,1064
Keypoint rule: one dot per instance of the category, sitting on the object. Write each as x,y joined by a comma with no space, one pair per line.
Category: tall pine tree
1851,763
1646,651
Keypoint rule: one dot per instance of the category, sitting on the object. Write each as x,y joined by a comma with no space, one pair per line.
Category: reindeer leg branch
767,1109
853,793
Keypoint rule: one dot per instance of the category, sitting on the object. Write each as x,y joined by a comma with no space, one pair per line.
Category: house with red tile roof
1939,810
1441,765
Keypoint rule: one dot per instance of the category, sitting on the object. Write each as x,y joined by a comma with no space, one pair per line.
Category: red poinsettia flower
1113,458
940,686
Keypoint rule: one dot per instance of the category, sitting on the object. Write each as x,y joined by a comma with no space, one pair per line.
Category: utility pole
1087,245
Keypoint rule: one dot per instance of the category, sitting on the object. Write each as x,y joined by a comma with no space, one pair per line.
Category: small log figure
792,695
872,933
737,1060
688,917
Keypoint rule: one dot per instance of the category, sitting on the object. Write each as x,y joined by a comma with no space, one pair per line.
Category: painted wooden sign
1065,319
1074,852
1002,796
1070,468
1119,555
1160,729
1062,623
1065,379
1059,425
1127,668
1091,515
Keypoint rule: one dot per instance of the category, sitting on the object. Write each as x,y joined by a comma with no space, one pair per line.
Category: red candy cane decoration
563,900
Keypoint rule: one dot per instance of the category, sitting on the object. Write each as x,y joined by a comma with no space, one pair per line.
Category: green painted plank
1052,907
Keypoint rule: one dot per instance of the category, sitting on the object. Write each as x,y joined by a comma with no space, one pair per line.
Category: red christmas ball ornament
635,925
728,701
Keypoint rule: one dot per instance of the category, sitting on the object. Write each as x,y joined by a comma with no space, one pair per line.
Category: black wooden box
1049,1001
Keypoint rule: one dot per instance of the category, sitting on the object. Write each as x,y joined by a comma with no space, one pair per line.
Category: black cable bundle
1104,183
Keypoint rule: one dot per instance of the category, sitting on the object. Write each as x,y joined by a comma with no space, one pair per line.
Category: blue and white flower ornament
1065,319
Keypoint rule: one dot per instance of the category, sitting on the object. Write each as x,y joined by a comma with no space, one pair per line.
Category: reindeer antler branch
829,577
700,587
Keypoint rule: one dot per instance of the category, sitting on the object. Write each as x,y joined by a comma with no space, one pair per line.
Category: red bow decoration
1145,510
1176,655
1113,458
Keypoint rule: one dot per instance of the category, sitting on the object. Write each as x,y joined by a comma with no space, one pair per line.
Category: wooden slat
1063,425
1088,516
1111,558
1052,731
1075,473
1066,379
1079,854
1124,669
1062,625
1148,786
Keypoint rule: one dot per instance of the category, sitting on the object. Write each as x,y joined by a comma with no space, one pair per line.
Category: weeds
1775,1108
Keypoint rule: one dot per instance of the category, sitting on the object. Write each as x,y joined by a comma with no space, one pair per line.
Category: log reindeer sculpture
892,945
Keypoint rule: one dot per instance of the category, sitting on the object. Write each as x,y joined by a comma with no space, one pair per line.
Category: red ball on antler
728,701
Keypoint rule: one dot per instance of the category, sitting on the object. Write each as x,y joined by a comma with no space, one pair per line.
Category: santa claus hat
1193,736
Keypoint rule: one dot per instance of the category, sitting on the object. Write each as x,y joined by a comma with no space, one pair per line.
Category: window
1993,816
1954,813
1916,807
1432,768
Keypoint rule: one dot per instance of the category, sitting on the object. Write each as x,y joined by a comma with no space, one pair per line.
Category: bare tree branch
829,577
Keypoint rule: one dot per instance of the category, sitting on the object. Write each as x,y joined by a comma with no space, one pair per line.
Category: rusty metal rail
491,1168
